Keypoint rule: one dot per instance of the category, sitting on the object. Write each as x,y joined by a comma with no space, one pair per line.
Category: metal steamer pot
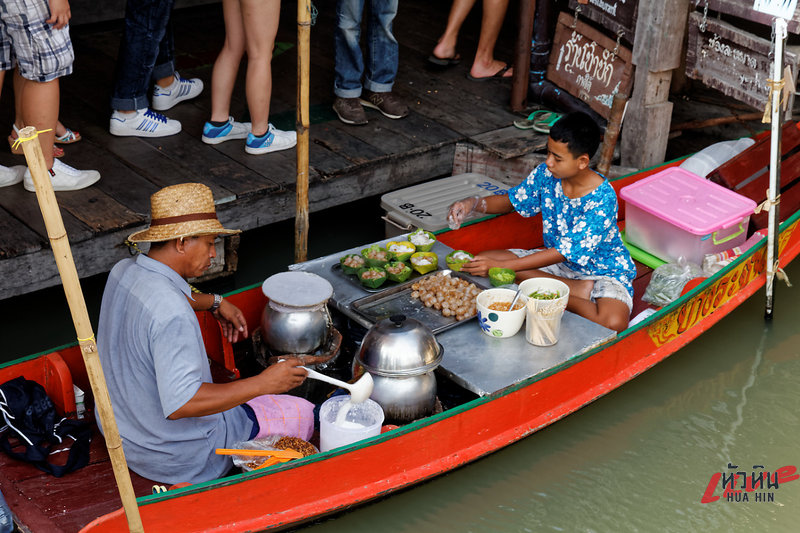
401,354
296,318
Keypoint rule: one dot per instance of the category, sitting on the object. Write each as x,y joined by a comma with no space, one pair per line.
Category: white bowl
500,324
546,284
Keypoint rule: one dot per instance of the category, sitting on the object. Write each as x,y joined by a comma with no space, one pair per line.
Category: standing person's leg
221,127
13,175
170,88
260,28
19,123
445,50
145,27
485,65
383,56
349,63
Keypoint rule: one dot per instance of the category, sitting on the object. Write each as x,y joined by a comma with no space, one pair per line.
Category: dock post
303,72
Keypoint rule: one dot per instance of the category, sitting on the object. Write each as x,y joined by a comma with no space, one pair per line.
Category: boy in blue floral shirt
582,244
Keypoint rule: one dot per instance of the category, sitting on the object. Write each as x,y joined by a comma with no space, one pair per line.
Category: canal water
637,460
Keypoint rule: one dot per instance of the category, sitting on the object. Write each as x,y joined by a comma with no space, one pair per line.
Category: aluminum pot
296,319
401,354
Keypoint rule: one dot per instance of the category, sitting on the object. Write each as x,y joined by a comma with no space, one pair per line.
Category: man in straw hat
171,415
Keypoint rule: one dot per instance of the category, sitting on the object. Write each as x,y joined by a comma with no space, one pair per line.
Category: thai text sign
777,8
613,15
731,60
589,65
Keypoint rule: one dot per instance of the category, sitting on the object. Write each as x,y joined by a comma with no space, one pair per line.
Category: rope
781,274
90,339
774,85
21,140
766,205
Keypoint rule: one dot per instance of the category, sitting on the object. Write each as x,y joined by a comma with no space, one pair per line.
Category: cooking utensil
514,301
283,454
359,391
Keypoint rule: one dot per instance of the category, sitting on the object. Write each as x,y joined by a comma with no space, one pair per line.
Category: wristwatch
217,302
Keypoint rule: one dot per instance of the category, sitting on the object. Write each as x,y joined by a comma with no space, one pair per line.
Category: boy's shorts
42,52
604,286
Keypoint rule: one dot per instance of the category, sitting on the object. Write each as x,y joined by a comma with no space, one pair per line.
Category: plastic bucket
362,421
543,317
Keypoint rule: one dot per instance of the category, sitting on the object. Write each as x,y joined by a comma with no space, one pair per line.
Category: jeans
146,52
382,48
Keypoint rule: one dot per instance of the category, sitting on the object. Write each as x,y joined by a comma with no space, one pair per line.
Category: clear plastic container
676,213
362,421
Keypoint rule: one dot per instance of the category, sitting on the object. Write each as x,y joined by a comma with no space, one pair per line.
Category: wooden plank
97,210
23,205
613,15
743,9
584,64
510,142
661,27
733,61
17,238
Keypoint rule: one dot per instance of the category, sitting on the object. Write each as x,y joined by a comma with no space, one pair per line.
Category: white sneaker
180,90
65,178
273,141
11,176
144,123
231,130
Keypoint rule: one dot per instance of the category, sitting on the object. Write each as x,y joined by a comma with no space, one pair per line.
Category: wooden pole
303,59
522,56
612,133
80,318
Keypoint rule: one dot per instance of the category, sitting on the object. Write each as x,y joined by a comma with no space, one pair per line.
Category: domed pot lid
297,289
400,346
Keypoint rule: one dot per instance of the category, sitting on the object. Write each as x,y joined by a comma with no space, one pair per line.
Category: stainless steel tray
398,300
388,284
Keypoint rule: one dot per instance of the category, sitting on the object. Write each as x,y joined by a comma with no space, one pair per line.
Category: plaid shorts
604,286
42,52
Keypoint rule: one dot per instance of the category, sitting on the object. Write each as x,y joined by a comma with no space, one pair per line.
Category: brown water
637,460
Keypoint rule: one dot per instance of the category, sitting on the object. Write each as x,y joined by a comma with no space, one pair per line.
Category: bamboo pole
774,167
303,59
612,133
29,139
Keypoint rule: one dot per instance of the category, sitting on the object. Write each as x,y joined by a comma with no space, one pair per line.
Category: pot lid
297,289
399,346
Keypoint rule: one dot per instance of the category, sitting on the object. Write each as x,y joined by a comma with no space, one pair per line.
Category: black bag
30,417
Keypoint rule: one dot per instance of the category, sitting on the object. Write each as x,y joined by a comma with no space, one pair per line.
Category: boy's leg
40,110
609,312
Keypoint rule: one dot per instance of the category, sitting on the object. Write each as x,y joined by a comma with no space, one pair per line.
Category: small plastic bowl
500,324
547,285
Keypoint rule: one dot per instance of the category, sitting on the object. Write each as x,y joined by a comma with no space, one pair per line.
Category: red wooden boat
290,493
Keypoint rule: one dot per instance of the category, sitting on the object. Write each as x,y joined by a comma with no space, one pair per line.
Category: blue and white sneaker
180,90
144,123
272,141
231,130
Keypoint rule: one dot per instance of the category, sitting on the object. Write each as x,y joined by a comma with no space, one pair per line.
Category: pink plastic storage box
677,213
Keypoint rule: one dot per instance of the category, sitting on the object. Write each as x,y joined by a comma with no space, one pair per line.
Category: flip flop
499,75
541,121
69,137
444,61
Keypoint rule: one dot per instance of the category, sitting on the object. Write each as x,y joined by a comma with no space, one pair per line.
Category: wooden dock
347,162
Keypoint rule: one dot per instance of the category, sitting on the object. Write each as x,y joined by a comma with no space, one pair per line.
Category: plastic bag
711,157
247,462
668,281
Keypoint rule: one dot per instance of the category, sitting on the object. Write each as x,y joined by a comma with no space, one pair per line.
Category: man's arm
229,316
212,398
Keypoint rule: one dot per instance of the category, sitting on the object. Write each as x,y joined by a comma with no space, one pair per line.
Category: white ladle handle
313,374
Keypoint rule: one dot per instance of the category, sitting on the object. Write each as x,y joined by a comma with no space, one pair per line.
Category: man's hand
480,265
232,321
282,377
59,13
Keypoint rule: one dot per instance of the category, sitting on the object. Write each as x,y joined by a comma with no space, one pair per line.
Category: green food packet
375,256
422,240
401,255
357,261
501,276
454,263
372,280
402,274
424,262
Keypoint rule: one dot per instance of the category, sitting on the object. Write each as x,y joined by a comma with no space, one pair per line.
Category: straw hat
184,210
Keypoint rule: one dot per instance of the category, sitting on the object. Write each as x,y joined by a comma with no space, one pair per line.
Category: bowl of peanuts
494,316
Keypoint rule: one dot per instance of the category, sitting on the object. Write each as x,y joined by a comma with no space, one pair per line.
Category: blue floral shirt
584,230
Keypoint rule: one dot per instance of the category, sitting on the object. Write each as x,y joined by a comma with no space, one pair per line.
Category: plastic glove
461,209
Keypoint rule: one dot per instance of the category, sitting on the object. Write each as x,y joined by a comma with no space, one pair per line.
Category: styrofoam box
677,213
425,206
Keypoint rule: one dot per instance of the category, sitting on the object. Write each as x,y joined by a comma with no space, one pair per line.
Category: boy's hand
463,208
59,13
480,265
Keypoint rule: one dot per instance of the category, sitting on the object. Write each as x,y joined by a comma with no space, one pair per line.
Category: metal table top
474,360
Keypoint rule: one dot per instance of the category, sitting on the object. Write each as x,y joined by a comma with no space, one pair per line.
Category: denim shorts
604,286
41,52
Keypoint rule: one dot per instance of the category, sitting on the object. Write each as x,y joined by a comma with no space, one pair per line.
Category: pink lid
688,201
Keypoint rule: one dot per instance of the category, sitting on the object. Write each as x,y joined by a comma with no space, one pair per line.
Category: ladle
514,301
359,391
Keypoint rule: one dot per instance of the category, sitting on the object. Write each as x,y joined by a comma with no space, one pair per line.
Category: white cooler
425,206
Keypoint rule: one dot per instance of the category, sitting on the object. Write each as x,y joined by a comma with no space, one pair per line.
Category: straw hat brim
168,232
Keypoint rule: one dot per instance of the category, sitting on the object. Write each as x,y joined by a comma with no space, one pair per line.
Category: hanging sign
777,8
589,65
616,16
731,60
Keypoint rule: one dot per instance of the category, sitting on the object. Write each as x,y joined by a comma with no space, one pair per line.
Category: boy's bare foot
493,69
445,51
